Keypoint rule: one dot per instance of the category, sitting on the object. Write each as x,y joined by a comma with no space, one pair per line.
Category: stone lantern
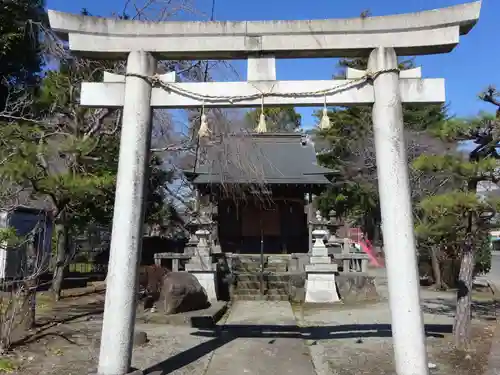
320,282
200,264
199,227
333,224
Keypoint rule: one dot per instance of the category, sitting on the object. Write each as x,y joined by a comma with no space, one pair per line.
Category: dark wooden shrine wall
282,223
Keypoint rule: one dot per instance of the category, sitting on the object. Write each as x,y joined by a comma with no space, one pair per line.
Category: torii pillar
128,217
397,216
382,38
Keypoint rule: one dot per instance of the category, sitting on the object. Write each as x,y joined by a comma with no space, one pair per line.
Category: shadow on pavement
224,334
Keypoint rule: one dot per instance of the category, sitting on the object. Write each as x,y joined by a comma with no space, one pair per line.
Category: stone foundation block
207,281
321,288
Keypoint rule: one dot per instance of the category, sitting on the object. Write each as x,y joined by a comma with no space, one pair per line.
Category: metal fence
89,262
90,252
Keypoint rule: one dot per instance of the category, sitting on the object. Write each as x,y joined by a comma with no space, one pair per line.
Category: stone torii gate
380,38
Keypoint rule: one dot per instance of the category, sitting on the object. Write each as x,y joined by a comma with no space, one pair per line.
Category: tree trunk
61,257
463,314
29,304
436,269
30,286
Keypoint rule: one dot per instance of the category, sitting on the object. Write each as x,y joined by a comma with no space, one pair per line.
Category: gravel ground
340,340
354,340
358,341
72,347
73,350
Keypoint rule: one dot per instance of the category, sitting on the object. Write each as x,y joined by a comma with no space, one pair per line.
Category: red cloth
367,247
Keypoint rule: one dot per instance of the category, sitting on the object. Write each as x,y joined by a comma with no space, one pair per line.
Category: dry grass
472,361
377,359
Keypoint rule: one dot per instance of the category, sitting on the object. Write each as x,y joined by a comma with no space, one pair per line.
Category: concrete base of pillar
207,281
321,288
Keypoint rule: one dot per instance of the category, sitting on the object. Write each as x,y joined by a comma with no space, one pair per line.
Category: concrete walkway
494,274
255,348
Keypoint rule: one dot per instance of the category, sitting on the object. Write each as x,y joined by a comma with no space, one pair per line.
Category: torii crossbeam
354,91
422,33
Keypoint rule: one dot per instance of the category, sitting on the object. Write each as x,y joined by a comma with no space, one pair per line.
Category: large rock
181,292
150,283
353,288
140,338
151,278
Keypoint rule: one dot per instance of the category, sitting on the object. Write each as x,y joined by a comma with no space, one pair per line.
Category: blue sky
469,69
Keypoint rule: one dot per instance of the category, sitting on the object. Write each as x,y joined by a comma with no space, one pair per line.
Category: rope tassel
325,120
204,131
262,127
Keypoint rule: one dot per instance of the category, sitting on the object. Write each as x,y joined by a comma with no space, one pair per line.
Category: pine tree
458,221
68,155
348,147
469,228
21,57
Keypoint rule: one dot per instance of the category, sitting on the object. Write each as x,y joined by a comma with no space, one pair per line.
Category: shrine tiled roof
267,158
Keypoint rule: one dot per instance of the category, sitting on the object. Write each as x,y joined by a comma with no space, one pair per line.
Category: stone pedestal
320,283
319,260
207,281
321,287
201,266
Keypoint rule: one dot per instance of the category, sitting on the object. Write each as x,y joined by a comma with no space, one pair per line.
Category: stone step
276,292
266,278
257,269
277,270
247,291
273,277
250,291
256,286
267,258
261,298
248,285
257,262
